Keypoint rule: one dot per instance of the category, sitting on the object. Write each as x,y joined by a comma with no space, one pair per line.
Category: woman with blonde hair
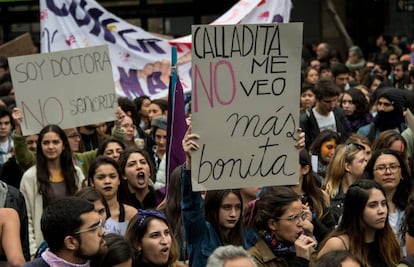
346,166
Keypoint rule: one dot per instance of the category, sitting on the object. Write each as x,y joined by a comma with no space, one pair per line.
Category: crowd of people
97,195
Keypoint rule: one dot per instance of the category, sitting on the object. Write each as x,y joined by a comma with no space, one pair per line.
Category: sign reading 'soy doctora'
68,88
245,104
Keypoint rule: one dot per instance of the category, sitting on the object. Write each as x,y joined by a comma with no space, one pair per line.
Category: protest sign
245,104
68,88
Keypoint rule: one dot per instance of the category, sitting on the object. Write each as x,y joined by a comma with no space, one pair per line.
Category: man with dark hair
73,231
6,139
325,114
341,76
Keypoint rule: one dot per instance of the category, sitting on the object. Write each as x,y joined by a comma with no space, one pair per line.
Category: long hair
403,190
138,226
123,191
353,225
172,206
359,100
336,169
309,185
213,201
66,164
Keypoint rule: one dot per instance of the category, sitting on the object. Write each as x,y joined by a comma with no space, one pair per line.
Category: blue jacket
200,236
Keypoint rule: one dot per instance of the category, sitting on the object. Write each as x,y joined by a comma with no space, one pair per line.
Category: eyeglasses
381,169
74,136
295,218
90,229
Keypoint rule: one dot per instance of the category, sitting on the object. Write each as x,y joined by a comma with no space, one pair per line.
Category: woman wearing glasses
278,217
364,229
388,168
346,166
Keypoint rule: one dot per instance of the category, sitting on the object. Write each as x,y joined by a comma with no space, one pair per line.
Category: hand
120,115
18,120
304,246
308,211
300,143
189,144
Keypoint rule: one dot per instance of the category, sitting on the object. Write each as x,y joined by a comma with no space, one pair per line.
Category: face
307,99
91,243
327,104
161,140
239,262
103,127
74,139
230,211
368,152
129,127
398,72
385,105
312,76
31,142
156,243
392,59
342,80
144,111
376,211
113,150
137,171
315,64
375,84
352,57
106,180
287,230
326,73
327,150
357,165
387,178
100,209
52,146
347,105
5,127
154,111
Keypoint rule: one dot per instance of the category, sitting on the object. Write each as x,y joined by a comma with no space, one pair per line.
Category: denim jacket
200,236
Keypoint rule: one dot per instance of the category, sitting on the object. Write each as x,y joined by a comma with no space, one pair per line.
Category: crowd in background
97,195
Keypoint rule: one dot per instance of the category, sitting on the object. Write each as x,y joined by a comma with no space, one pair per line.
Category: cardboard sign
245,104
69,88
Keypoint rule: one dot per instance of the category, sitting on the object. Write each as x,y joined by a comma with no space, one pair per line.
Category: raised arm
24,157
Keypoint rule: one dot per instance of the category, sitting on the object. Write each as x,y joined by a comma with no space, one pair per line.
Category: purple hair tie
154,213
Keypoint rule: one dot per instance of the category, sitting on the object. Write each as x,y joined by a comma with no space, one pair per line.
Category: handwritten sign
245,104
69,88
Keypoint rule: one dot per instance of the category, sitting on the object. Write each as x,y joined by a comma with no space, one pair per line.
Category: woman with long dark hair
54,175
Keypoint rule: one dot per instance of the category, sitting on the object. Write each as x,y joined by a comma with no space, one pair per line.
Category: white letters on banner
140,60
